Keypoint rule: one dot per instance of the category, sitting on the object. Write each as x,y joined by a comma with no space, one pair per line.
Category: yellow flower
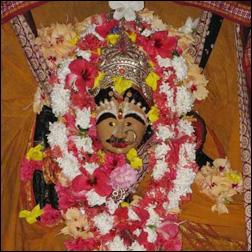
31,216
98,79
151,80
151,63
132,36
101,156
121,84
234,177
153,114
112,38
35,153
74,40
135,161
124,204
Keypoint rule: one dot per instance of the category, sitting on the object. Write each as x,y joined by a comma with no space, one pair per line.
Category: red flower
112,161
90,42
106,27
66,198
172,245
98,181
80,244
82,99
158,43
83,72
28,167
51,216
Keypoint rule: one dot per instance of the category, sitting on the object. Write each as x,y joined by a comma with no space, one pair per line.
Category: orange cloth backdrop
220,112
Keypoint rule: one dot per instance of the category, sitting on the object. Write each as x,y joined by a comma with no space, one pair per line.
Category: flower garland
86,175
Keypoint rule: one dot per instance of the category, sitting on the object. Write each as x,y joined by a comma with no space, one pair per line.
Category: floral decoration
87,175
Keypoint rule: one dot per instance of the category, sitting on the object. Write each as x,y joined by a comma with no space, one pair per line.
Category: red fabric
10,9
232,10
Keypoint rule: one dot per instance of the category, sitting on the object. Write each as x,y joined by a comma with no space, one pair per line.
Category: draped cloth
202,229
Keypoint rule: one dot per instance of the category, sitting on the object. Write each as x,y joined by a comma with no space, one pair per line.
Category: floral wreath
86,175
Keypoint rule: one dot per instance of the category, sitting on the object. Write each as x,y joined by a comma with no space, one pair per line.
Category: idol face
121,125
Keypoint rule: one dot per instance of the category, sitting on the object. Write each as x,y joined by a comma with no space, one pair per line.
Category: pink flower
112,161
123,177
83,72
28,167
90,42
172,245
168,229
82,99
66,199
106,27
92,130
50,216
98,181
80,244
70,122
158,43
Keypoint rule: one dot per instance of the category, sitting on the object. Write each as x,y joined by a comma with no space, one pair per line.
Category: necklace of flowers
86,175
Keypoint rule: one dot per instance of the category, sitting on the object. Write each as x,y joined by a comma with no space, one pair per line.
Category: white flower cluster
69,165
161,150
63,70
169,92
111,205
159,169
83,143
187,153
91,167
189,25
60,98
117,245
94,198
57,135
185,127
84,54
165,132
135,246
182,186
104,222
83,118
184,101
179,64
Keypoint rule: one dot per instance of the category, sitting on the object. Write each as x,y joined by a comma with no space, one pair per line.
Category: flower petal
129,15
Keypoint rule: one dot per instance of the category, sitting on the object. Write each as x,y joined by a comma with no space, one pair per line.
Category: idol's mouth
118,142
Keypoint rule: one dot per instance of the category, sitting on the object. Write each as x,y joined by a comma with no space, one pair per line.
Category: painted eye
128,123
112,124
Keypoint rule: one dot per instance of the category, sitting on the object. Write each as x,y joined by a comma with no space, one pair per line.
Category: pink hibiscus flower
80,244
81,100
82,73
28,167
106,27
50,216
98,181
158,43
112,161
66,199
90,42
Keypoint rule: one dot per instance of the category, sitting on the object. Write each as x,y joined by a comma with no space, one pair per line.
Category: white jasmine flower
112,206
189,25
182,186
154,219
60,100
91,167
147,32
69,165
117,245
94,199
185,127
159,169
184,100
164,62
168,91
84,143
187,153
91,30
126,9
152,234
135,246
179,64
63,70
165,132
132,215
137,232
103,222
84,54
83,118
161,150
57,135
